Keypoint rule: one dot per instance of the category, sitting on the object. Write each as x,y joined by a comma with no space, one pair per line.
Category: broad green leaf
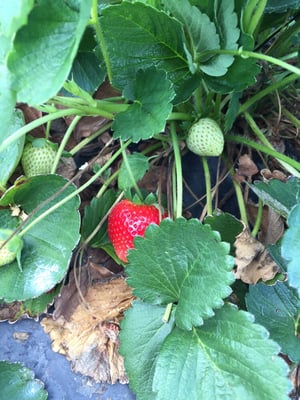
281,196
184,262
18,383
201,30
138,165
137,37
277,309
151,94
142,334
227,358
235,80
218,32
48,245
44,49
279,6
13,15
10,157
94,213
7,103
290,249
86,71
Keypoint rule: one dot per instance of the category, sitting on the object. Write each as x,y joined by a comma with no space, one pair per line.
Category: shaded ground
26,342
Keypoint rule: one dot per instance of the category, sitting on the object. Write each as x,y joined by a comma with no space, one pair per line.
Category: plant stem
167,313
34,124
251,54
207,185
64,142
181,116
90,138
259,95
178,171
265,141
256,16
271,152
76,192
258,218
99,35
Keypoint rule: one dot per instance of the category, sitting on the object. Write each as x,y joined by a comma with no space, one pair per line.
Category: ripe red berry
128,220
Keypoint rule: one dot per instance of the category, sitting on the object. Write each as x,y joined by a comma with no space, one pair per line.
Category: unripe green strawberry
38,157
12,249
205,138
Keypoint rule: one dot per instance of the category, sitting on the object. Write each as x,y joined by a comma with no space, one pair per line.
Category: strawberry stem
64,142
207,185
167,313
293,165
178,171
258,218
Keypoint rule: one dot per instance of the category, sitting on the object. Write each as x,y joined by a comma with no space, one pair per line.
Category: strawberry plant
201,92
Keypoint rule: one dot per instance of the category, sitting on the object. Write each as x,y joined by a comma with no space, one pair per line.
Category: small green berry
38,157
205,138
12,249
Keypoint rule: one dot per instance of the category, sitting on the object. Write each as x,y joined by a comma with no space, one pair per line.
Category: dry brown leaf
246,168
90,338
276,174
252,259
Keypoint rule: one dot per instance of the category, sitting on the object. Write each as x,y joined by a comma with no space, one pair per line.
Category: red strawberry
128,220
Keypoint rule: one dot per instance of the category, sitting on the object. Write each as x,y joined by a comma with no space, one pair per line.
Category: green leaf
235,80
201,30
142,334
279,6
227,358
44,49
86,71
277,309
37,306
17,382
219,32
227,225
7,103
48,245
13,15
281,196
94,213
10,157
151,94
184,262
290,247
137,37
138,165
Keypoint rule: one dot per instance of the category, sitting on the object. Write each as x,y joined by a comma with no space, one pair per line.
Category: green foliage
277,308
172,63
151,93
138,165
47,245
281,196
10,157
290,247
175,266
94,213
165,267
54,29
18,382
